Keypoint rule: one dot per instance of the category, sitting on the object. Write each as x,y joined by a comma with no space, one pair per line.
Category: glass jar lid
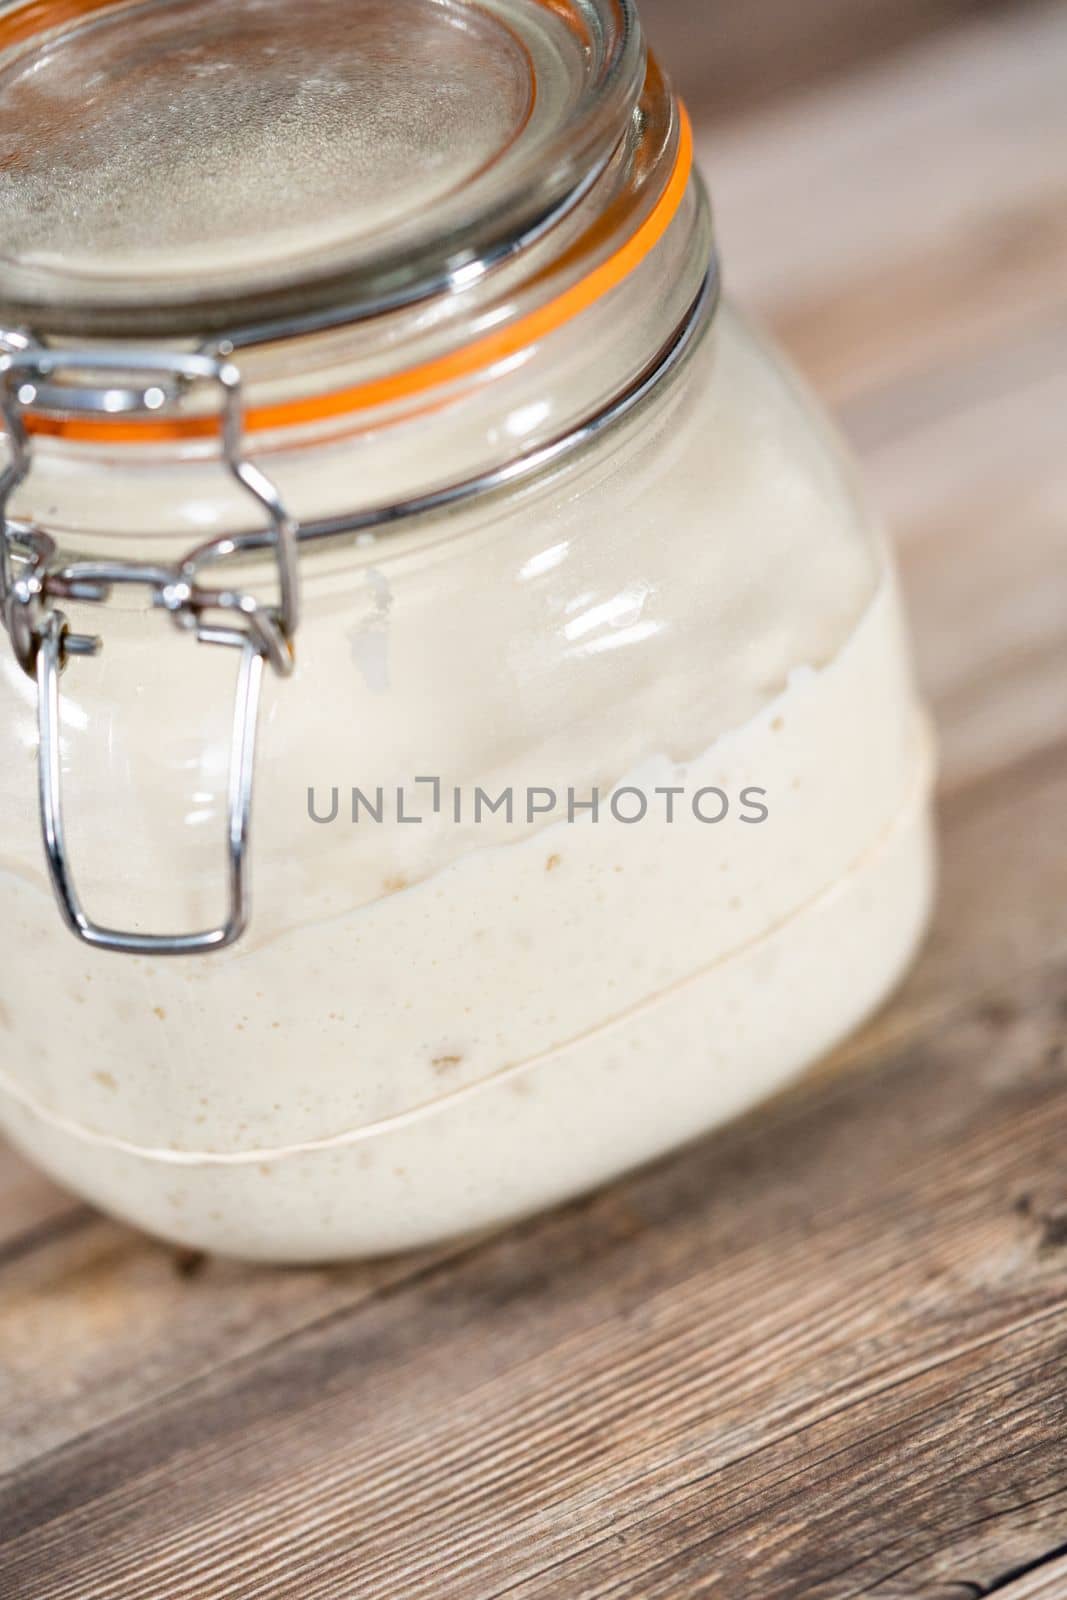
174,167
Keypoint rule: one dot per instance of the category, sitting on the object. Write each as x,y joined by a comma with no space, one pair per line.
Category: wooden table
823,1354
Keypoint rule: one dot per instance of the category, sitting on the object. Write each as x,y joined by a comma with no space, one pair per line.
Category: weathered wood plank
727,58
983,564
1047,1582
30,1206
910,214
579,1408
936,324
96,1318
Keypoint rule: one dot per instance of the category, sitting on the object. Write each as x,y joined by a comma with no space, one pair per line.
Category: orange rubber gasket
471,360
42,14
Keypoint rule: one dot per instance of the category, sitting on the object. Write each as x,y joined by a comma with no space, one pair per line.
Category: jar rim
182,170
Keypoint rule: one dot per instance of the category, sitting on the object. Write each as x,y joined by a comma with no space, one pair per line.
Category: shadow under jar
367,389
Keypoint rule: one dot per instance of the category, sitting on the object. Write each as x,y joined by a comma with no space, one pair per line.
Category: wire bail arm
33,583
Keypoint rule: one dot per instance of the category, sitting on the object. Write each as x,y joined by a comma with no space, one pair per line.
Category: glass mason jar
367,388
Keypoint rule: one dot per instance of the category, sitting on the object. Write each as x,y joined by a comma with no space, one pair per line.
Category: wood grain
888,1408
1048,1582
728,58
936,326
821,1355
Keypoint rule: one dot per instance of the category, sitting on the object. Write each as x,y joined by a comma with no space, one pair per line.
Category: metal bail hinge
33,581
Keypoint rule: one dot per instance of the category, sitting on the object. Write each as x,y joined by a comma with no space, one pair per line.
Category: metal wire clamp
33,580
